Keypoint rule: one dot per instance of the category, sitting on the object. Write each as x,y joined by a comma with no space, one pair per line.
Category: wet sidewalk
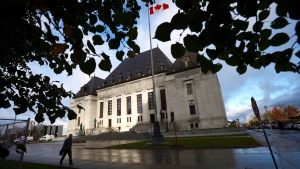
94,156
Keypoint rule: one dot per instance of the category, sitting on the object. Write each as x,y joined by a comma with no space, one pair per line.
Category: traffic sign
255,108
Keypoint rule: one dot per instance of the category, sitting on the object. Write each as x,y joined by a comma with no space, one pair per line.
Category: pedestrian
67,148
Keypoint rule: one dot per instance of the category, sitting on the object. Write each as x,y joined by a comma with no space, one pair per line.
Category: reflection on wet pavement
286,154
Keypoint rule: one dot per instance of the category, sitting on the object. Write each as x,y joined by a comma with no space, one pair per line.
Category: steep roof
179,65
138,67
90,87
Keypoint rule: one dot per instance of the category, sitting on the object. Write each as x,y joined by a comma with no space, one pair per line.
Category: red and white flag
158,8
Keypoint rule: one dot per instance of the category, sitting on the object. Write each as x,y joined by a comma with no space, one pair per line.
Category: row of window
100,122
189,89
139,104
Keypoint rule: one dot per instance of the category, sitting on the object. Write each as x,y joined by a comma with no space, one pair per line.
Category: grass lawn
222,141
8,164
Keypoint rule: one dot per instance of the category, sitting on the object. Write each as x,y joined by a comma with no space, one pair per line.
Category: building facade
125,99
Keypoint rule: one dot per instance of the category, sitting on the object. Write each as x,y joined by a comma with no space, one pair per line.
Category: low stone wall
207,132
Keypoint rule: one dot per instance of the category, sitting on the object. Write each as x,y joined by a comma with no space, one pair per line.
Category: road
285,144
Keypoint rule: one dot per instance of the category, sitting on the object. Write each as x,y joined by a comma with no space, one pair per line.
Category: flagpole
152,67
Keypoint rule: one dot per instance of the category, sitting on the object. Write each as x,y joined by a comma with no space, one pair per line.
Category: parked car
22,139
41,139
47,138
288,126
296,125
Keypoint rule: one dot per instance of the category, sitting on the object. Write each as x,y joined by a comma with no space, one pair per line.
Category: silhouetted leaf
221,16
163,32
279,23
257,26
114,44
293,10
281,8
88,67
298,54
91,47
71,114
192,43
256,64
179,21
279,39
216,67
120,55
195,19
233,60
78,56
93,19
263,15
265,34
39,117
247,8
97,40
132,34
241,69
177,50
263,45
240,24
105,65
297,28
100,28
183,4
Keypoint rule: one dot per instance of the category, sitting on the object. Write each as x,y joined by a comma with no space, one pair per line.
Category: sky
265,85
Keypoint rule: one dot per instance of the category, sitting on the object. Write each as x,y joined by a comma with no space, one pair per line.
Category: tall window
118,120
128,104
140,118
163,99
109,107
139,103
186,63
101,109
192,107
189,89
78,121
150,100
119,107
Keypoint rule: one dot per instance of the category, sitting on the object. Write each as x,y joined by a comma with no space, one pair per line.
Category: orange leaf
58,48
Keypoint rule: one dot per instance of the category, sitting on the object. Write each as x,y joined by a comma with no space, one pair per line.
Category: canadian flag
158,7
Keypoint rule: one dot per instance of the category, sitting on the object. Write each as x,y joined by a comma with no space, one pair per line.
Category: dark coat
68,144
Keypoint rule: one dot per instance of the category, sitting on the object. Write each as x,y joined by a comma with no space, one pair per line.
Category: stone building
124,100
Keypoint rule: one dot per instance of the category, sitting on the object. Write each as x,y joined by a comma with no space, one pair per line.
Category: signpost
256,113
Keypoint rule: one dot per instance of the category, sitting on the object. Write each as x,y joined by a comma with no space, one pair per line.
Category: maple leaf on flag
158,8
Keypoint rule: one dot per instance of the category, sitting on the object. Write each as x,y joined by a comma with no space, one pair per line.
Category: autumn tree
55,33
254,122
291,112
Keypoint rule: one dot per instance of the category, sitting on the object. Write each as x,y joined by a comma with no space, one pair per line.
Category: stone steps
116,136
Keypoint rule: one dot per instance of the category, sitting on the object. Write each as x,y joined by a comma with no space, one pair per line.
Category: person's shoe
71,164
60,163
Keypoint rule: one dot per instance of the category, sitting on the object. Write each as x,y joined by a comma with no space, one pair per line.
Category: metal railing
13,138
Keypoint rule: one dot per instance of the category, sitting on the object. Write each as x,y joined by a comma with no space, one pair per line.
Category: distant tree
265,118
56,33
277,115
254,122
291,111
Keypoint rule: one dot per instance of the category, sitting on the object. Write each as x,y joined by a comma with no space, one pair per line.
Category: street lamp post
269,120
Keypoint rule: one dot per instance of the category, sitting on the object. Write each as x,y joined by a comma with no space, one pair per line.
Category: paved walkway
286,155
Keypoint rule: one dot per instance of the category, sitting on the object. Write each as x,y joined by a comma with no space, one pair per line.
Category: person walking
67,148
